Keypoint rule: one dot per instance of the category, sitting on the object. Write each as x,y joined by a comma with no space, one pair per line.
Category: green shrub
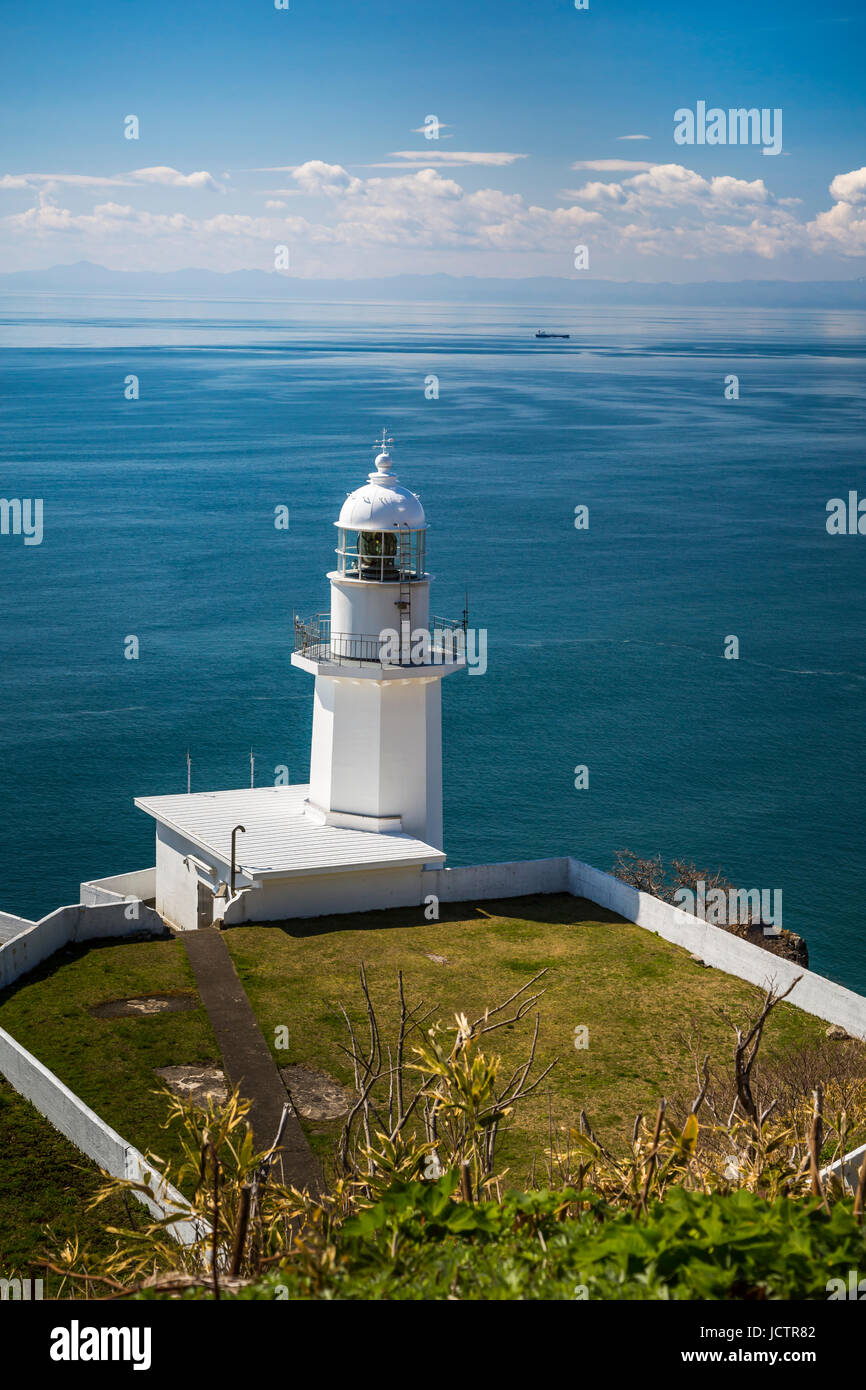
417,1243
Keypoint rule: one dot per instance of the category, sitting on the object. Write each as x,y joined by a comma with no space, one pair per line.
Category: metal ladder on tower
404,599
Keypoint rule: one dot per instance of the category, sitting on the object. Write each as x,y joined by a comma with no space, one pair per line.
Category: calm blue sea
707,519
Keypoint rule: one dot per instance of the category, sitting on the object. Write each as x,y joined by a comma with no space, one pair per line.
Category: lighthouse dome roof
382,504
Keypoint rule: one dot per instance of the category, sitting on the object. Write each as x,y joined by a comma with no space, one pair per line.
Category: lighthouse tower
379,660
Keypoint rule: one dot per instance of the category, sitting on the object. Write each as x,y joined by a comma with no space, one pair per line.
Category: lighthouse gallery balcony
442,643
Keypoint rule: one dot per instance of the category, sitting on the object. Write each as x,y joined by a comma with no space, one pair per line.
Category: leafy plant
748,1214
240,1216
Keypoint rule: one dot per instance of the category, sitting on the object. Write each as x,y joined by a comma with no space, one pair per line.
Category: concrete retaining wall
517,879
83,1128
12,926
847,1168
68,924
140,883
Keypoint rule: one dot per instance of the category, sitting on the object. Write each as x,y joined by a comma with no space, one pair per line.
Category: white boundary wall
77,923
140,883
847,1168
10,926
83,1128
515,880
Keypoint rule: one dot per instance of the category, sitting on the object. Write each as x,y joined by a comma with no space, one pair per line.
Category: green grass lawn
636,993
45,1181
109,1062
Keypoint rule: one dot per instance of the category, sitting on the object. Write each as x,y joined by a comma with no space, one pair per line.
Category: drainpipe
243,830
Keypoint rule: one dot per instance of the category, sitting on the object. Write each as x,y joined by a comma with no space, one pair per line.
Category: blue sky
325,94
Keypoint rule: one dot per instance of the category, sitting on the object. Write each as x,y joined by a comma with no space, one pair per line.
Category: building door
204,913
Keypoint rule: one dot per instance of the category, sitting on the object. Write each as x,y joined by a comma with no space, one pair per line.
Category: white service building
362,832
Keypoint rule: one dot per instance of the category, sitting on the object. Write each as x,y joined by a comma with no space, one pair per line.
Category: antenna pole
188,772
252,769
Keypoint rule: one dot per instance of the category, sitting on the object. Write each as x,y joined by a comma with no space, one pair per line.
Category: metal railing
443,641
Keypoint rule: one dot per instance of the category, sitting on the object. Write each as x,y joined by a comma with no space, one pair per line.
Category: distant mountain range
83,277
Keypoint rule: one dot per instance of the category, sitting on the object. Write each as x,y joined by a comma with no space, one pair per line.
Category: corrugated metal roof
280,839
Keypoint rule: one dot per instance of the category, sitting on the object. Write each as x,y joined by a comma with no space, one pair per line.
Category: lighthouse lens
381,556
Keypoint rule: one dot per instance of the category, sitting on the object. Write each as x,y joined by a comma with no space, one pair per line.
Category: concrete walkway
246,1057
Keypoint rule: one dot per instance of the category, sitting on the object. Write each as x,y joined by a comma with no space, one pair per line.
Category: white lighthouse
366,831
376,756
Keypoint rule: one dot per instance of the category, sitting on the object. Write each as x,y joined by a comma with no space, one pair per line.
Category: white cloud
725,189
103,224
172,178
667,185
419,211
669,209
369,223
849,188
612,166
766,238
426,210
632,137
70,180
417,159
330,179
422,129
414,164
427,157
160,174
594,192
673,185
842,228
